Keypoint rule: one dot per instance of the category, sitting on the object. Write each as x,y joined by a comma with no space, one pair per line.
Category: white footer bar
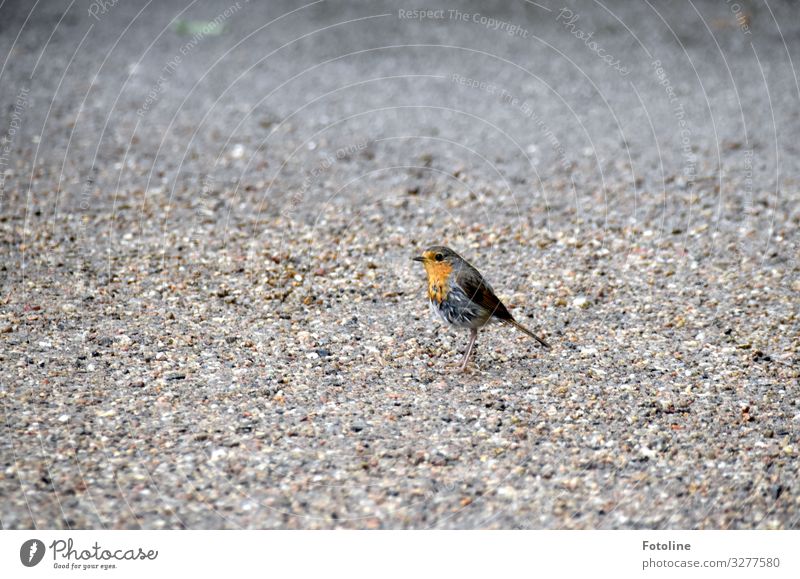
371,554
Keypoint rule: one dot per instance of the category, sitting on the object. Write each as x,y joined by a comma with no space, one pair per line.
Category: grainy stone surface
209,317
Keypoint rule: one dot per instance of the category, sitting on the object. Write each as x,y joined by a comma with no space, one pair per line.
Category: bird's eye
438,257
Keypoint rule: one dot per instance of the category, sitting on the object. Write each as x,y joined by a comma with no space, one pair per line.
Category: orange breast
438,276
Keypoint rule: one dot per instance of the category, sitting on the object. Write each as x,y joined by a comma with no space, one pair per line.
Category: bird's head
438,260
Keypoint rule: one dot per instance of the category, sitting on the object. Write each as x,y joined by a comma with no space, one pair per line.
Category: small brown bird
461,297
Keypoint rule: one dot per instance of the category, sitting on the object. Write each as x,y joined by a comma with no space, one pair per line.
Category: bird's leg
473,335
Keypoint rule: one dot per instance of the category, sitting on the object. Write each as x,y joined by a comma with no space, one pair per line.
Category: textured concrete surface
208,312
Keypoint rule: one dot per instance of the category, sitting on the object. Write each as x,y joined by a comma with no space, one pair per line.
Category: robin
462,298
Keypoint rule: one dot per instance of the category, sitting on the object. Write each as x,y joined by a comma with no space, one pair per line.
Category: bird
461,297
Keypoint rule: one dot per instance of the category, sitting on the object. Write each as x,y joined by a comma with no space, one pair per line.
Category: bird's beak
418,258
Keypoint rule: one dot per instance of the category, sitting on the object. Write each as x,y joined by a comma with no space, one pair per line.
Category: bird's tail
525,330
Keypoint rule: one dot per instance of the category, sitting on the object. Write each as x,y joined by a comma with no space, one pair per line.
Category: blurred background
209,313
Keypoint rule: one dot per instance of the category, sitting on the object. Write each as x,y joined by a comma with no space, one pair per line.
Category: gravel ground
209,317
